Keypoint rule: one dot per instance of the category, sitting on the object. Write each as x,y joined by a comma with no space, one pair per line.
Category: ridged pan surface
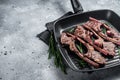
107,16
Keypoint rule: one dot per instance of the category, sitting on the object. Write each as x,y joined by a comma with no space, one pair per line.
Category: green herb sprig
81,62
118,50
93,39
70,30
54,52
80,47
104,30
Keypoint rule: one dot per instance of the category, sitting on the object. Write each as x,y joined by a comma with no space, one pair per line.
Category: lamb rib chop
69,39
97,44
111,34
109,46
92,54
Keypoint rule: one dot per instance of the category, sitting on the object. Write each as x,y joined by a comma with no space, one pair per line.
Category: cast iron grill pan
79,18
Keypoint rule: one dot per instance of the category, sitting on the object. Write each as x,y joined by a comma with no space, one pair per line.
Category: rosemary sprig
54,52
80,47
119,50
93,38
104,30
81,62
51,47
71,30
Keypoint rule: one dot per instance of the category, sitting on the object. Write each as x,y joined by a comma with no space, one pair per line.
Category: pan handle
76,5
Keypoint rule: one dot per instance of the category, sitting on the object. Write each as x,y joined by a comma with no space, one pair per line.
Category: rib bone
65,39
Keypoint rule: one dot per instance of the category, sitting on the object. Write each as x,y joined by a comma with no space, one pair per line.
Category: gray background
23,56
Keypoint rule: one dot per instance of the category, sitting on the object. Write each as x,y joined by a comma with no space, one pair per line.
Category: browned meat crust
97,43
68,39
91,36
111,35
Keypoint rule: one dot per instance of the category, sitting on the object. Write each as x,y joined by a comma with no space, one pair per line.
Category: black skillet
80,17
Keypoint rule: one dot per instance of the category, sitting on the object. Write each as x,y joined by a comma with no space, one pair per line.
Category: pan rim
75,14
58,21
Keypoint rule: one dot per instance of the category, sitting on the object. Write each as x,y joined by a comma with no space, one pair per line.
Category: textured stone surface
23,56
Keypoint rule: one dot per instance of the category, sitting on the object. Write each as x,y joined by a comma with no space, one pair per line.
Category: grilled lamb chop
91,54
97,44
110,47
65,39
111,35
100,42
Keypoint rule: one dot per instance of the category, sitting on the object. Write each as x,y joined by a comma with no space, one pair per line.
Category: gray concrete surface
23,56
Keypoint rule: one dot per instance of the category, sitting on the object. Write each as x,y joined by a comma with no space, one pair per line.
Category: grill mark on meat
103,42
111,35
92,54
110,47
69,41
86,35
99,41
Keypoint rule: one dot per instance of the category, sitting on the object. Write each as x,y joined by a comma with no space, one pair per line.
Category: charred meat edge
86,35
65,39
91,54
111,34
108,46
